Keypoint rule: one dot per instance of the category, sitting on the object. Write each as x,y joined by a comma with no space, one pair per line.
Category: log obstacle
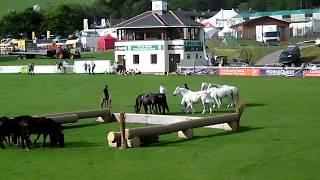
135,136
72,117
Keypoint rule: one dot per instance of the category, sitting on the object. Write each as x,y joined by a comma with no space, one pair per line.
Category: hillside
19,5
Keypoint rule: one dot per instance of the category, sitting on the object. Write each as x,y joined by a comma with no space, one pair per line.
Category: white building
155,41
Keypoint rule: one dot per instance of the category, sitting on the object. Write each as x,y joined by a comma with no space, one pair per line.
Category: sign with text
281,72
239,72
312,73
144,47
193,46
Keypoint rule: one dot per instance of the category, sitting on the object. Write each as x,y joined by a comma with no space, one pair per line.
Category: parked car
290,55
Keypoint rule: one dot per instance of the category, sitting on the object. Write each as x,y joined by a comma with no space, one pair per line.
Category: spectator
60,66
93,65
64,64
89,68
85,67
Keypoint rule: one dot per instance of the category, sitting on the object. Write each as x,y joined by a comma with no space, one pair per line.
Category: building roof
153,19
259,19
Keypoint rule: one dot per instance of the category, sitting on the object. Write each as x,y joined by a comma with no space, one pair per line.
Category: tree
23,22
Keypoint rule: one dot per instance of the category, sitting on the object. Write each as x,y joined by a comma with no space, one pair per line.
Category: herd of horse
210,95
18,131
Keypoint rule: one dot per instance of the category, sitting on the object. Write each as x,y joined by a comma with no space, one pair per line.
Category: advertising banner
312,73
282,72
239,72
13,69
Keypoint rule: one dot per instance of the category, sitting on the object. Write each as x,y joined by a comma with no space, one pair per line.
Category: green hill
19,5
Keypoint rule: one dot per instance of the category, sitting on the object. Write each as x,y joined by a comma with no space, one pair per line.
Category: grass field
278,139
253,51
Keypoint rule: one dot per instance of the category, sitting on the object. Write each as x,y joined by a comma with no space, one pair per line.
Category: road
274,56
270,58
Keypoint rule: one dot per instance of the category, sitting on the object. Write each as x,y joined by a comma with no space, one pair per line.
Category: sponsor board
311,73
239,72
13,69
282,72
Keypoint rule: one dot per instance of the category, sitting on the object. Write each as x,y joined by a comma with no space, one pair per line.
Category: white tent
222,18
226,31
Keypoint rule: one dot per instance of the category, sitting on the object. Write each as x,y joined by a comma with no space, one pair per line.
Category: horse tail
138,104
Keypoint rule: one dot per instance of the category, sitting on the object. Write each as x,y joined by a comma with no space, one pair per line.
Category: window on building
188,56
139,36
287,16
308,15
135,59
121,59
153,35
154,59
197,56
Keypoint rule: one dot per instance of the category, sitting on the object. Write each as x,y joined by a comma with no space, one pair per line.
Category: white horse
190,97
231,92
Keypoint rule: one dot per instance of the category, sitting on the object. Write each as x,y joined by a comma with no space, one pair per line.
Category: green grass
278,139
250,48
310,54
12,60
17,5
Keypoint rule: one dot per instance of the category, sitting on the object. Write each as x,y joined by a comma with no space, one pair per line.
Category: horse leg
1,142
35,141
145,109
44,140
205,107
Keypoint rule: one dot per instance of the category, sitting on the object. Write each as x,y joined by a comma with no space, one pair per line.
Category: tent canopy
106,42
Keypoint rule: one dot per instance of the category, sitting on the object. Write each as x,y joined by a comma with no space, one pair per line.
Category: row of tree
65,19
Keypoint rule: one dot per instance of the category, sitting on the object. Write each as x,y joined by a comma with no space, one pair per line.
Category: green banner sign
144,47
193,46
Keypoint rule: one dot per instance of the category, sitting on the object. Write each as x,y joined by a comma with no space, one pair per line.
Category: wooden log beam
114,136
185,134
233,119
105,114
64,119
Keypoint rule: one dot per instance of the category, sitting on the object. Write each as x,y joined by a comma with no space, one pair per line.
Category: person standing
93,65
85,67
106,98
89,68
162,89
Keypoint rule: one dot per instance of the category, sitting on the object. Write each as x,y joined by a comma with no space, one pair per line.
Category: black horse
40,125
155,102
5,130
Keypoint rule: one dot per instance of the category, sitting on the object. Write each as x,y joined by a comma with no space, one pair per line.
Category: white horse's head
180,90
204,86
176,91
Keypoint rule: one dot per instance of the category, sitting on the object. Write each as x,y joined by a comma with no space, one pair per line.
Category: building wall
249,30
186,49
